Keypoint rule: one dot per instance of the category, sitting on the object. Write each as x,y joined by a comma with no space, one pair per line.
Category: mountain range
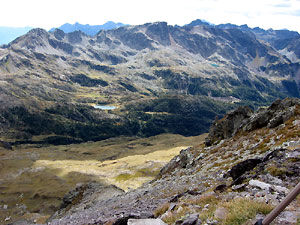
8,34
161,78
120,104
88,29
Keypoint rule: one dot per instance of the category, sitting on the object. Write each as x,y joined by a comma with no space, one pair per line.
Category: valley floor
34,179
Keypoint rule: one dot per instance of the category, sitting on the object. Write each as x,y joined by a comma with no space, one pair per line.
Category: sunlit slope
34,180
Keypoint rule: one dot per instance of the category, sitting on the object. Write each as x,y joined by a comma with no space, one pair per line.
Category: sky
276,14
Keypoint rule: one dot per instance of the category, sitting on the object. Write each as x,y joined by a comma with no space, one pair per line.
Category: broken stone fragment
221,213
145,222
259,184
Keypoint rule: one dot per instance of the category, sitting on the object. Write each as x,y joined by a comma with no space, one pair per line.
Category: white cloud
275,14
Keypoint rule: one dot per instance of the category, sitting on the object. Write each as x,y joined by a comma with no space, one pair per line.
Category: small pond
105,107
214,65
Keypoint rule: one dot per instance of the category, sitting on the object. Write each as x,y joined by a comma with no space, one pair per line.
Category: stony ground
234,181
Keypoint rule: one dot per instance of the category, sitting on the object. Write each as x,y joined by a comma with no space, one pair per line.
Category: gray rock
259,184
228,126
192,220
221,213
84,196
287,217
268,187
180,161
280,189
293,154
296,123
238,187
172,206
145,222
6,145
243,167
270,179
166,215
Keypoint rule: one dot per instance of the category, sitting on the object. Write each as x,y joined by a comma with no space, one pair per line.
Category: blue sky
276,14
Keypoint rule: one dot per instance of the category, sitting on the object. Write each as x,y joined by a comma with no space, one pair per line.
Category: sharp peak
199,22
37,30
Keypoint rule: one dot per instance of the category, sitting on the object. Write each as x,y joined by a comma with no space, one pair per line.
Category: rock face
229,125
183,160
256,173
279,112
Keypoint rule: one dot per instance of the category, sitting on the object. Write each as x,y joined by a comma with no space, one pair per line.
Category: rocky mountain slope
170,75
235,181
278,39
284,41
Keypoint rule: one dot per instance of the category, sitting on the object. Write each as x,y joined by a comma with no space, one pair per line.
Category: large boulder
229,125
183,160
243,167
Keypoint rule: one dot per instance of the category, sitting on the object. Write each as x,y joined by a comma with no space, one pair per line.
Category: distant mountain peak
90,30
38,31
198,22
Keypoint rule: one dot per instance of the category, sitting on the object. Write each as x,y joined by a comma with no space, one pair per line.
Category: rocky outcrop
84,195
229,125
159,32
183,160
279,112
244,119
59,34
6,145
243,167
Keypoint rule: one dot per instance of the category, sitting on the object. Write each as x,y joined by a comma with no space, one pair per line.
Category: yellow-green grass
237,211
39,177
242,209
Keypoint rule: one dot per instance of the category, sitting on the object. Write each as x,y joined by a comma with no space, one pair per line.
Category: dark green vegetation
83,80
185,115
66,124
